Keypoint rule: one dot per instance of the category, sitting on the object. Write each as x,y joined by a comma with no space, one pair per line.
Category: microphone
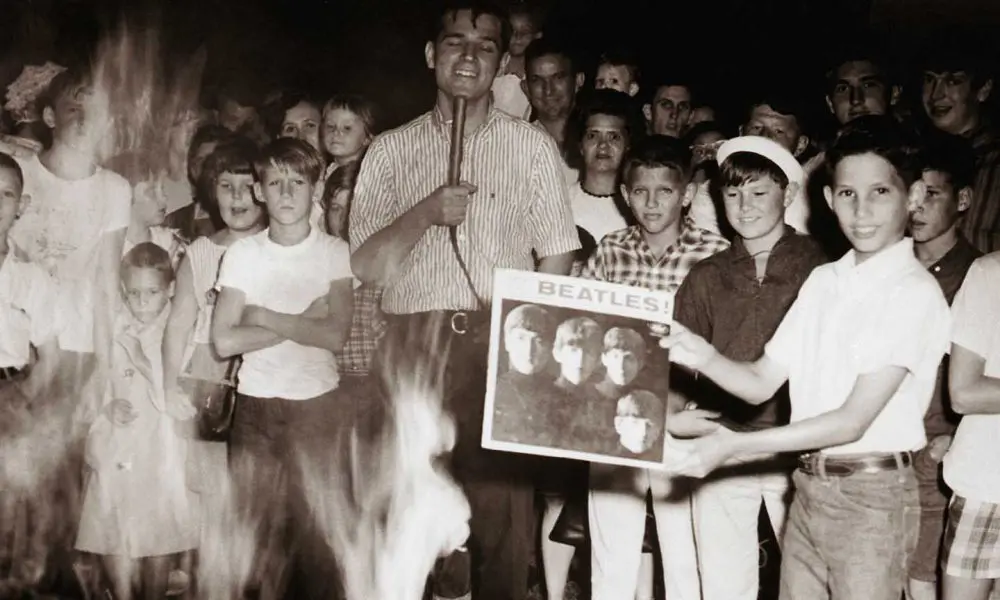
457,140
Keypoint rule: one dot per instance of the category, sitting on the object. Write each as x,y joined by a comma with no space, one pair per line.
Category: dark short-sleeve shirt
949,272
723,301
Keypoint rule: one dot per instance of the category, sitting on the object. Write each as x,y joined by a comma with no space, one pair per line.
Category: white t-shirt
286,279
597,215
970,467
61,230
851,320
26,302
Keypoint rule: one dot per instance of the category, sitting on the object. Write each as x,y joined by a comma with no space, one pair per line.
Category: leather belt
11,373
823,465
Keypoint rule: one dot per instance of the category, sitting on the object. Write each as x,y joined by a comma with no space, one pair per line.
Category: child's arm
229,336
329,332
180,323
972,391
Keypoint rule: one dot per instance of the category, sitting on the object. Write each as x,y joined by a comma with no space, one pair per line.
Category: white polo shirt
286,279
970,467
851,320
27,298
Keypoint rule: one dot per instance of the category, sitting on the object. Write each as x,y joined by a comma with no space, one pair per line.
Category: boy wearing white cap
735,300
859,348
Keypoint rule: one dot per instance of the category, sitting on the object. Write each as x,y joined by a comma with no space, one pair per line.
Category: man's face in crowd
615,77
466,55
859,89
604,142
670,110
784,129
939,209
551,86
527,351
951,102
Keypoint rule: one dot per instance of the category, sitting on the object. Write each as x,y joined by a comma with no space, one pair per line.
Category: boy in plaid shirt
656,254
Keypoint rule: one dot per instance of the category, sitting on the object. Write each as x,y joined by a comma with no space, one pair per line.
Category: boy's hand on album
121,412
692,423
448,205
178,405
686,348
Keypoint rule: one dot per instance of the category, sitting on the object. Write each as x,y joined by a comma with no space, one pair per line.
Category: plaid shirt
624,257
367,327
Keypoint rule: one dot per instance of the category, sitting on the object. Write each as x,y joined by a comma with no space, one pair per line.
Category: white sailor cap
767,148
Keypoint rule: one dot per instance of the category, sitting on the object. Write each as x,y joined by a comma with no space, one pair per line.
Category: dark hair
705,127
610,103
883,136
292,154
953,49
781,100
863,46
743,167
551,45
241,89
69,81
207,134
8,162
273,113
669,79
951,155
148,255
343,178
478,8
234,154
357,104
527,8
657,151
620,58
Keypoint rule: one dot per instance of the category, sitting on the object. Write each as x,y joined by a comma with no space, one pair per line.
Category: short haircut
620,58
526,8
448,9
883,136
781,100
234,154
148,255
241,89
861,47
657,151
357,104
743,167
705,127
581,332
207,134
292,154
611,103
7,162
951,155
530,317
955,49
551,45
68,82
623,338
669,79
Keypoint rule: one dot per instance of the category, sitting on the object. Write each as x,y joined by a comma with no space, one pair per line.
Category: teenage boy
858,82
656,254
969,554
957,85
607,123
285,304
859,347
669,107
617,71
948,170
735,300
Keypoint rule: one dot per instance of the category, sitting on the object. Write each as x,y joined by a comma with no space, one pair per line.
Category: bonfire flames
382,500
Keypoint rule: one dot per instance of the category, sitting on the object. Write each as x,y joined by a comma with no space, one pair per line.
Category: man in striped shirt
510,203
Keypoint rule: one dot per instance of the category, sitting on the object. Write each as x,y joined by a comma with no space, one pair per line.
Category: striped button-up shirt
520,206
624,257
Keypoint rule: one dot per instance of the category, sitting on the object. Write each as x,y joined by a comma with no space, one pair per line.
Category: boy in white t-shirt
970,555
859,348
285,304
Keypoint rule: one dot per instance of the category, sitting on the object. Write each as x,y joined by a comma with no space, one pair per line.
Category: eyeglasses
706,151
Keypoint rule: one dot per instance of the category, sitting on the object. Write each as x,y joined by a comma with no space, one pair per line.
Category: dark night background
376,46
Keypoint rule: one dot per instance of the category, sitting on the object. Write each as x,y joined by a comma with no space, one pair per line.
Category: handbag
216,405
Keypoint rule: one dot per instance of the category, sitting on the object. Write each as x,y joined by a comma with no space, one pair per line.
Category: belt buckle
460,322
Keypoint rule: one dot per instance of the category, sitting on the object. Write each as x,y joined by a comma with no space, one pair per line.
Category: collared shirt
27,298
981,223
949,271
855,319
624,257
723,301
970,467
520,206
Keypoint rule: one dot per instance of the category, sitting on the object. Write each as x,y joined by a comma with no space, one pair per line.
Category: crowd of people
835,344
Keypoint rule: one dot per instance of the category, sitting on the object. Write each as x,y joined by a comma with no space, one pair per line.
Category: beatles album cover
575,369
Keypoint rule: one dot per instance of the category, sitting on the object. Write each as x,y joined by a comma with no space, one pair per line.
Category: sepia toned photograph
575,370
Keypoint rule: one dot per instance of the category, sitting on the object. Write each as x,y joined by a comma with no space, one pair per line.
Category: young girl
368,324
190,365
149,211
508,96
348,128
137,511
